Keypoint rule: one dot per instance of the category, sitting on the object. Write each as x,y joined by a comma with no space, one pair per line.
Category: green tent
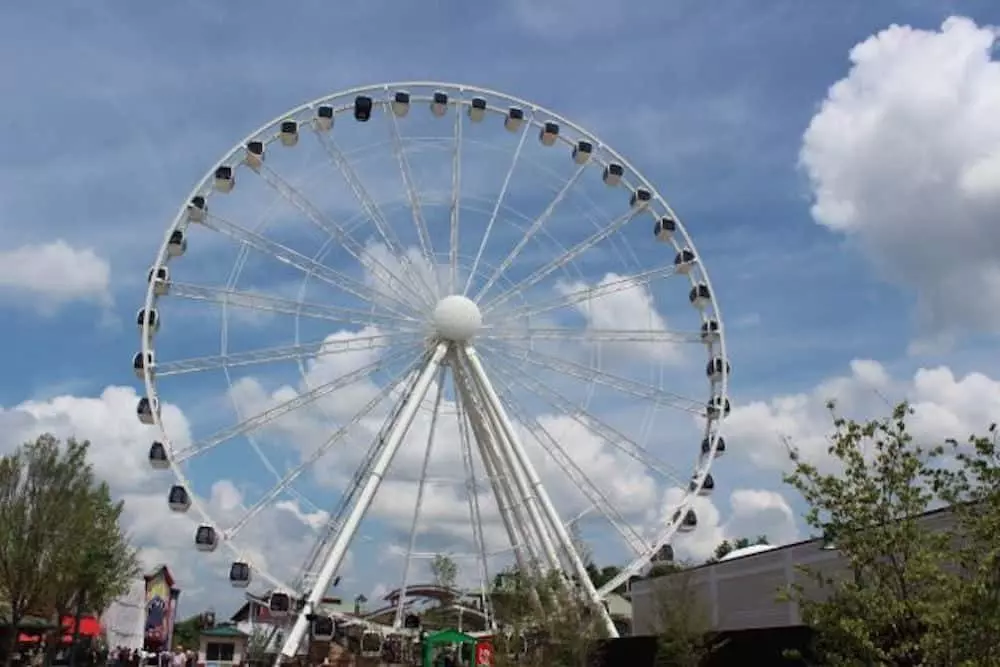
443,638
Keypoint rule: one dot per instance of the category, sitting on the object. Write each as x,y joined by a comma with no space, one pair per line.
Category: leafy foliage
912,593
685,637
545,621
60,539
444,570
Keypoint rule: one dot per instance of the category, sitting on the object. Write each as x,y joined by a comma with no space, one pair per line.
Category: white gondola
640,198
324,118
720,447
253,154
549,133
363,106
664,229
439,103
477,109
684,261
582,151
160,277
145,409
401,103
177,245
715,369
710,331
140,362
225,178
700,296
197,208
158,456
288,133
664,555
514,119
178,499
152,319
279,604
322,628
613,174
706,488
689,523
205,538
239,574
718,406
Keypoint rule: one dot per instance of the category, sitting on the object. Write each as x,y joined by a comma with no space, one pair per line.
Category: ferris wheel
440,315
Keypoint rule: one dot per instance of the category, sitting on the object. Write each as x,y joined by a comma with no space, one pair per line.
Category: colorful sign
160,606
484,653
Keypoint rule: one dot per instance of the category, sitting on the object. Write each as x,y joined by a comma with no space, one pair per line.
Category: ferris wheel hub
457,318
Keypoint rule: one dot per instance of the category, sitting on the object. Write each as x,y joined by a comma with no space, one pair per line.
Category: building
161,596
124,621
741,592
222,646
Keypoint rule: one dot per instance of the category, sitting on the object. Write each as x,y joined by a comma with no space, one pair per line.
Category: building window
219,651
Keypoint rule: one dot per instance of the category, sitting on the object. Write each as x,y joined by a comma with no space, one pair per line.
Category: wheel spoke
591,422
598,291
531,334
532,230
337,231
499,202
286,407
571,254
299,352
588,374
273,304
426,247
456,193
584,484
319,453
421,486
374,213
309,266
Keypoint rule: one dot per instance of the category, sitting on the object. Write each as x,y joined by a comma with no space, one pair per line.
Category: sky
838,173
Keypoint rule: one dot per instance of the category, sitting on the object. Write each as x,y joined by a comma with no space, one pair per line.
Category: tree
59,531
726,547
910,593
444,571
684,632
544,621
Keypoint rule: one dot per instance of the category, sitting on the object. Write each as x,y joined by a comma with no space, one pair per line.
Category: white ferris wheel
455,298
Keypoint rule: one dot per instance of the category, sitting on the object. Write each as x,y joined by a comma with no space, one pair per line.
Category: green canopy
449,637
443,638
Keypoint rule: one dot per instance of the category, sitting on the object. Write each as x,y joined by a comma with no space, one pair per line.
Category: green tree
684,632
910,592
544,620
444,571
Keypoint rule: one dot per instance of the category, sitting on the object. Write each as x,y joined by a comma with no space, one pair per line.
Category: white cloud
904,155
55,273
119,450
945,406
752,512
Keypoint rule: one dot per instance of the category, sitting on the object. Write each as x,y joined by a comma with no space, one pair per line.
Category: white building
124,622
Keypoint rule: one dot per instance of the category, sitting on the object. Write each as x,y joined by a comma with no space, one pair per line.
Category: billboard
161,605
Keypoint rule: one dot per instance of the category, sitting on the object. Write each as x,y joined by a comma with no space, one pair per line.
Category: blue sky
113,112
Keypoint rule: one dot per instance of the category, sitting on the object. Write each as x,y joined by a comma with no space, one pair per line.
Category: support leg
343,540
476,367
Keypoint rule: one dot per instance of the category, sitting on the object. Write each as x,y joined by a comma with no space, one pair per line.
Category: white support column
511,461
498,483
508,461
476,366
343,540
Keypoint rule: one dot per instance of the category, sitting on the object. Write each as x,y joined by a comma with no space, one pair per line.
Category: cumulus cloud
945,406
904,156
54,274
